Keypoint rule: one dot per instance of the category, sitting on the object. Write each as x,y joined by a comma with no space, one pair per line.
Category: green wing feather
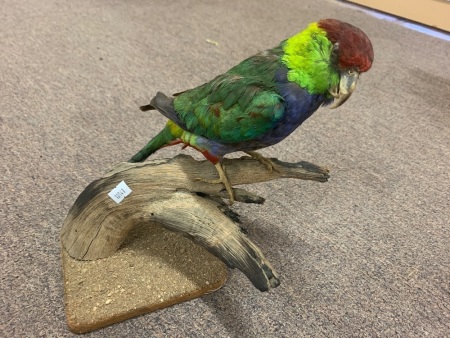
237,106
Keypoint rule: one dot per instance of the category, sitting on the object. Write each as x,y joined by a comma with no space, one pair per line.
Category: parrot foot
222,179
267,162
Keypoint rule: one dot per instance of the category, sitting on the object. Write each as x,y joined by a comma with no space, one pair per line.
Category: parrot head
327,58
352,54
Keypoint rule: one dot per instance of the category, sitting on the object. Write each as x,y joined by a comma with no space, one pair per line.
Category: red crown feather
355,48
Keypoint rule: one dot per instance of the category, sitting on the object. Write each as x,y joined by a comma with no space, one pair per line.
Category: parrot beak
347,85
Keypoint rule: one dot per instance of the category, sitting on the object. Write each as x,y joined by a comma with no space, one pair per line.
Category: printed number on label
121,191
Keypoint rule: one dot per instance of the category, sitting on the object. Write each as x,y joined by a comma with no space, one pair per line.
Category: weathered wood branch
168,192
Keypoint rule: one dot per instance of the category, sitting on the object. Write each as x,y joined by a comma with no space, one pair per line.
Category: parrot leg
222,179
257,156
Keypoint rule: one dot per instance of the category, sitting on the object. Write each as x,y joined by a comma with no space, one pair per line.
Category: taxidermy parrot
264,98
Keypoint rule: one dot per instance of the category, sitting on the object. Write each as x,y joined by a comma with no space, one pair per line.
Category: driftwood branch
168,192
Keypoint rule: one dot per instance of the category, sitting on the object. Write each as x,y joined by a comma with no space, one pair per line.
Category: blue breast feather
299,105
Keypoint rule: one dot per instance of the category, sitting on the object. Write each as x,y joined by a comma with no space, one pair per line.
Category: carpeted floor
366,254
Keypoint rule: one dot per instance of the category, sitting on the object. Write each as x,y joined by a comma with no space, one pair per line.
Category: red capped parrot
264,98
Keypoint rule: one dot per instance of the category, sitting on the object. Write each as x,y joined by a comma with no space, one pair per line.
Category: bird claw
263,160
222,179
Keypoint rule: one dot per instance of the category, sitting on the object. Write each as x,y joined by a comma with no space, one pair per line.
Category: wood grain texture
168,192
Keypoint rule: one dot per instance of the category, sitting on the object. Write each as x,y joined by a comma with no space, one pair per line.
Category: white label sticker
121,191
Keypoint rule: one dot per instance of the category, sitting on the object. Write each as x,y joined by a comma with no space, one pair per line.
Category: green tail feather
167,135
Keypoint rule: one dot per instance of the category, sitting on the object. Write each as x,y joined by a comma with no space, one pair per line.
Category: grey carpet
366,254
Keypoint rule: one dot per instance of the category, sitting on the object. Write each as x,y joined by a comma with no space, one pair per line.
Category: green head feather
307,56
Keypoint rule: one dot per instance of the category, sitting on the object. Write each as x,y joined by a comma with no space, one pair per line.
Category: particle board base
154,269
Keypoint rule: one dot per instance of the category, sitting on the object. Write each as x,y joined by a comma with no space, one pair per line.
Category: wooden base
153,269
118,263
170,193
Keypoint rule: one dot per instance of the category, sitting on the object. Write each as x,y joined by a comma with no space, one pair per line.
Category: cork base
153,269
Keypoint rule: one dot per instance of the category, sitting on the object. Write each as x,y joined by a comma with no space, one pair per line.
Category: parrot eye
335,52
351,72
